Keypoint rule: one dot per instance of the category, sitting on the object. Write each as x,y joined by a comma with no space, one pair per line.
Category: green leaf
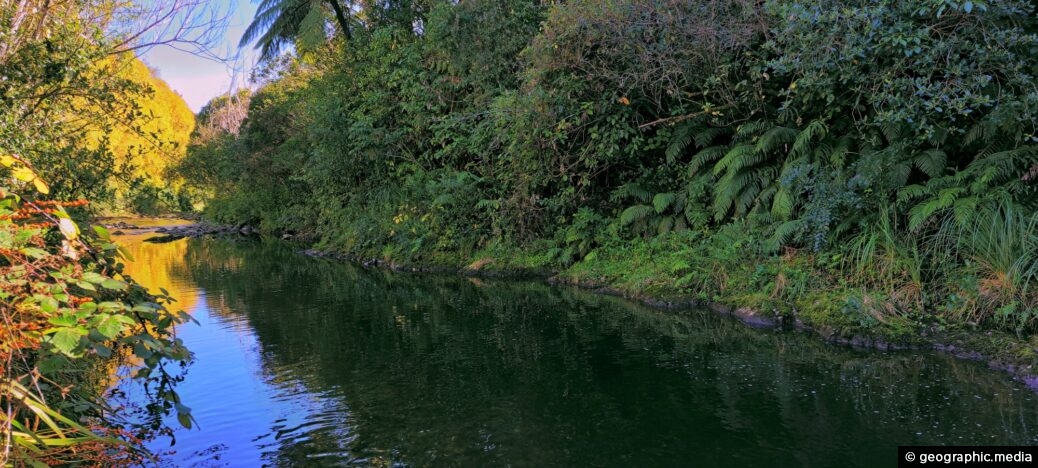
184,419
109,328
49,304
111,306
34,252
114,284
53,364
93,277
63,321
141,350
124,320
102,232
67,339
102,350
125,253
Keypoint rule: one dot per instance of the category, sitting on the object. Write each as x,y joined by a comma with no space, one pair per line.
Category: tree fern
278,23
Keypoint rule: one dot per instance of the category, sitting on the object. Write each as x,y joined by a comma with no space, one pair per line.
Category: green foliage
63,302
997,252
827,143
78,111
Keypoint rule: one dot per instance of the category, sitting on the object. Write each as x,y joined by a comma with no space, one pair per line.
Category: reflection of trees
162,266
438,368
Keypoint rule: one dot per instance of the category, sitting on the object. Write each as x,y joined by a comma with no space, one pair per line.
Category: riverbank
793,291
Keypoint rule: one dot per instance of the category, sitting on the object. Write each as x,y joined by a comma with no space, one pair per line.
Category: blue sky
198,79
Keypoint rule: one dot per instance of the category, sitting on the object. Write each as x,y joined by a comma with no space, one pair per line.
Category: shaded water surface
306,362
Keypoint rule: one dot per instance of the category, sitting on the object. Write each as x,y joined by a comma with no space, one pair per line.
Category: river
309,362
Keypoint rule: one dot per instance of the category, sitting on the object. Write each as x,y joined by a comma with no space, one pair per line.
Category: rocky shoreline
181,231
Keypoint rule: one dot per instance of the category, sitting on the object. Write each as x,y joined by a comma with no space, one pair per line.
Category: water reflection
304,361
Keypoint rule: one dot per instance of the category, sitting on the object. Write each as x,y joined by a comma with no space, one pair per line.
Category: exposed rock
163,239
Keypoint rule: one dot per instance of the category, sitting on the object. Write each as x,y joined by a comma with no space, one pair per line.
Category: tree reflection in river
428,370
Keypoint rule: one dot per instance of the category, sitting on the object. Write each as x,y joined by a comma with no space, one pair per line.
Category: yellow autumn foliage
151,138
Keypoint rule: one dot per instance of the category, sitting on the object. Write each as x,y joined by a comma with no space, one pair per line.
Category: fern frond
736,157
666,225
782,204
898,175
784,232
635,213
662,201
965,210
775,138
931,162
802,145
745,202
892,131
835,154
708,136
631,190
312,33
911,192
920,213
705,156
751,129
679,141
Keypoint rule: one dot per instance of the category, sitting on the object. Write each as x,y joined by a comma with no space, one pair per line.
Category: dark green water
307,362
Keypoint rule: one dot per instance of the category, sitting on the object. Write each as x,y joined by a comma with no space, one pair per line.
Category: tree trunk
341,17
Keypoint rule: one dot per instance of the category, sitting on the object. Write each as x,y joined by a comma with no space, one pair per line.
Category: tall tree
280,22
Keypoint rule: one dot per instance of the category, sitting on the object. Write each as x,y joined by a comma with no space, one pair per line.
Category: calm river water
308,362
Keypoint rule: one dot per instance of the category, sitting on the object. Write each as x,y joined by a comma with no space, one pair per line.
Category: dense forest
859,166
